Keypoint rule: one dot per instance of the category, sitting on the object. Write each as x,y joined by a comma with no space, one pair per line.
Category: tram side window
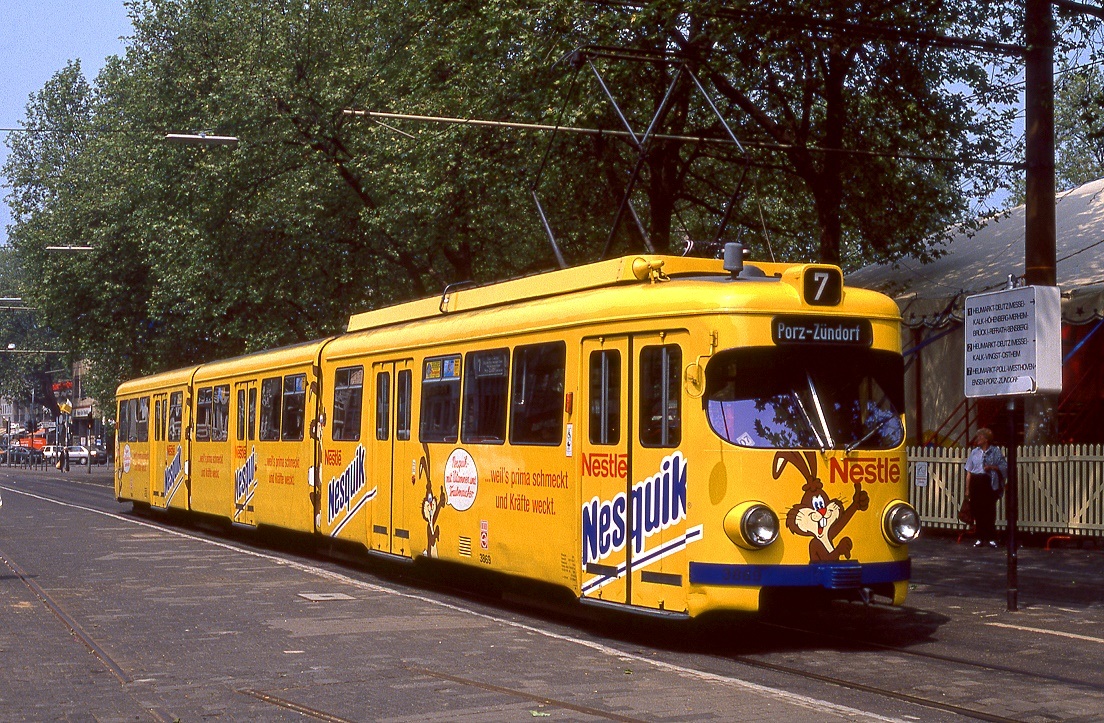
270,409
124,420
176,413
537,395
383,405
220,413
440,399
348,395
486,382
142,422
660,396
157,433
402,405
241,415
295,405
203,415
605,397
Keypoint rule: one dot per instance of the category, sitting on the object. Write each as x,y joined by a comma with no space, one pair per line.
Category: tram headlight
751,525
901,523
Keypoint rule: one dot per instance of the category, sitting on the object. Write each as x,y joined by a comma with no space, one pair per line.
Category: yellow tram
661,433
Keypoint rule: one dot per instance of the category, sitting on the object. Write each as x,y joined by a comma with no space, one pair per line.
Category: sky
37,39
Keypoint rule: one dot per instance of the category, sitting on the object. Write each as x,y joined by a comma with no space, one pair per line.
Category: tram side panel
132,463
494,484
346,491
169,485
211,453
284,462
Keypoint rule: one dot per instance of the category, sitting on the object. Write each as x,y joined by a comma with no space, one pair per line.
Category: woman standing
986,469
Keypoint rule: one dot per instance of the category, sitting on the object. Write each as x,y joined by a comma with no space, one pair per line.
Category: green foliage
201,253
1079,127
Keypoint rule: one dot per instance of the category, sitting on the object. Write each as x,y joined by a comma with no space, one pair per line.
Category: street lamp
200,139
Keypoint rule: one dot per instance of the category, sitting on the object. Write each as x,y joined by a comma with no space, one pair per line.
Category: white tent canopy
931,294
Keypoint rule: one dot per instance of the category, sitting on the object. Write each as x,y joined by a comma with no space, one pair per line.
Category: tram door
392,454
160,484
633,474
604,447
659,560
245,451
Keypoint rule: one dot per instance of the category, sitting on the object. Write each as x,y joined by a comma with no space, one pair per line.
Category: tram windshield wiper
808,420
820,411
873,430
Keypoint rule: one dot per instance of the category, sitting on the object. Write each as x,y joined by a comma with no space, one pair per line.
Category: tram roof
261,361
624,271
163,380
268,359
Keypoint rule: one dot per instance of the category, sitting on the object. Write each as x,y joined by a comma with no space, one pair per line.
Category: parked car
99,455
21,455
78,454
51,452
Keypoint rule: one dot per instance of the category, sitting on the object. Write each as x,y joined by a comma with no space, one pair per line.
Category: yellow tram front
804,409
761,421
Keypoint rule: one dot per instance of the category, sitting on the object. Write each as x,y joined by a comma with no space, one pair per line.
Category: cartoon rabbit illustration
431,507
816,515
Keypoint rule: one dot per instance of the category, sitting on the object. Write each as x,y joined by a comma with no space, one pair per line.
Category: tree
1079,127
206,253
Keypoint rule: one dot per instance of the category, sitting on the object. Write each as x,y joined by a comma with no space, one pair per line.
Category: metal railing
1061,488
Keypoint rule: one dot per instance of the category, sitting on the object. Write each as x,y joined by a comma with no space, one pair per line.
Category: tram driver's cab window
440,414
537,394
812,398
660,396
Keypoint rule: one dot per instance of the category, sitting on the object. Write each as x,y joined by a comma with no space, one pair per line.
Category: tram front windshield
813,397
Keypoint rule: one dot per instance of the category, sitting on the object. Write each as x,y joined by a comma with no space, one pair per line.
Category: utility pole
1039,250
1040,256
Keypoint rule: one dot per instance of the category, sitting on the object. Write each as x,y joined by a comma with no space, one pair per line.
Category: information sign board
1014,342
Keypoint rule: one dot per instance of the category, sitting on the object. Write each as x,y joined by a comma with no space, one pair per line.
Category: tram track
78,632
870,645
357,569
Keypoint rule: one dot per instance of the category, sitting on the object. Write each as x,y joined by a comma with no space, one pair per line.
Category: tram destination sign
795,329
1014,342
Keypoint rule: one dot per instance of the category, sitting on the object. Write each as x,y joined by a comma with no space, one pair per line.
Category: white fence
1061,488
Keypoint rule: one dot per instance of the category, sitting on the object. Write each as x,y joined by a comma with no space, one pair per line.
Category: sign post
1013,349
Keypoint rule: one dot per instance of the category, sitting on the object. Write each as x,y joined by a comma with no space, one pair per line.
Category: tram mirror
695,380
